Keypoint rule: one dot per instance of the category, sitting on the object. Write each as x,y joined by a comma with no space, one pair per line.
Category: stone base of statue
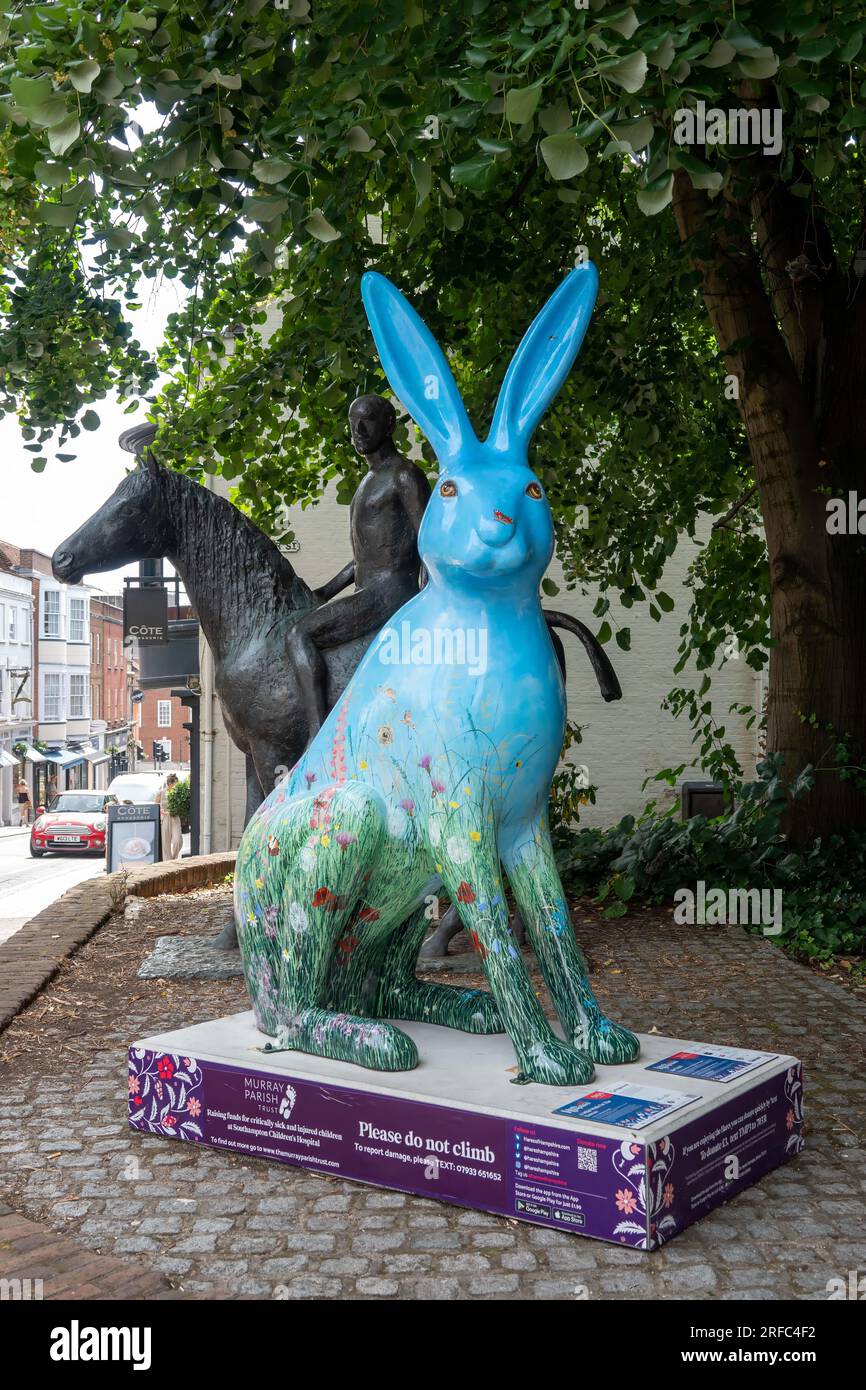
633,1158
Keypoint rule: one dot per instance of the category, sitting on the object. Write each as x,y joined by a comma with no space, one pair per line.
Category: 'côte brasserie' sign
145,615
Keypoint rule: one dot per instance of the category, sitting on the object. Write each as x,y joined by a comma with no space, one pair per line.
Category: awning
7,759
33,756
64,758
96,755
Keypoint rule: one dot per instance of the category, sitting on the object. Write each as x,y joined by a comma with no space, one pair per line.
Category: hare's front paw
554,1063
610,1043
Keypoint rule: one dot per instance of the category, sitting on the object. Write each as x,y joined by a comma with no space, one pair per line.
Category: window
2,622
53,691
78,696
51,614
77,620
163,714
94,701
13,623
94,647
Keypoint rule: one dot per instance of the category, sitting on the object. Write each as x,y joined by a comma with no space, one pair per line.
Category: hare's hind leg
402,995
532,873
302,870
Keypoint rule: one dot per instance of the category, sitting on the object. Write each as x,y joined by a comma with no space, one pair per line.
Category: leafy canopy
263,152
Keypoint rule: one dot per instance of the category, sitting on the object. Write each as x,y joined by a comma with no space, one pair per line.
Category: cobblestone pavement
211,1221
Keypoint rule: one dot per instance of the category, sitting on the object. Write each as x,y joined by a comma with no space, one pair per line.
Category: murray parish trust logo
437,646
272,1097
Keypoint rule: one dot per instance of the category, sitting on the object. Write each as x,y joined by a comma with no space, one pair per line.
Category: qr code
587,1160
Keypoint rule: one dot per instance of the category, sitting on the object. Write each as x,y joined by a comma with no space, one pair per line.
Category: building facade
112,674
160,721
16,681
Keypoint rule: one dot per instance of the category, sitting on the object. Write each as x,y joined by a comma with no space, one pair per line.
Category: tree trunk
796,352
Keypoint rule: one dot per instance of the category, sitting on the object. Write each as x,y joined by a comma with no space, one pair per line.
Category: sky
40,510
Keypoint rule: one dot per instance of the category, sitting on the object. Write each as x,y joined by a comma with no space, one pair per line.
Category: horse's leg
449,926
297,889
532,873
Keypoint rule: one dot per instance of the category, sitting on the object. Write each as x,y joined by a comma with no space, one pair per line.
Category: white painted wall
16,655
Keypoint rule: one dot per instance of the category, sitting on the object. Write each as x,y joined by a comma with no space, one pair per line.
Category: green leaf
813,50
422,175
521,103
83,75
64,135
664,601
453,219
478,173
52,175
630,73
555,119
30,91
319,227
59,214
90,420
358,141
564,156
604,633
656,195
623,638
271,170
550,587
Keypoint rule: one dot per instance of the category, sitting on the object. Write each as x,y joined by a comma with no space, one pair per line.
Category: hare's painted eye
448,489
534,490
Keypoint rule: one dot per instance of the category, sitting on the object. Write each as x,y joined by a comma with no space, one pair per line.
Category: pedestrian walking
24,803
170,826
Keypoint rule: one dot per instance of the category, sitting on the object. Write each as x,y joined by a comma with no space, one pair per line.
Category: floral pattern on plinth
166,1094
794,1116
649,1193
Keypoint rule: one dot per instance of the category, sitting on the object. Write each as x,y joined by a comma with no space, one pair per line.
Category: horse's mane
221,545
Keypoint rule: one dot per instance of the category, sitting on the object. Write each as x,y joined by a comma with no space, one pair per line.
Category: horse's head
132,525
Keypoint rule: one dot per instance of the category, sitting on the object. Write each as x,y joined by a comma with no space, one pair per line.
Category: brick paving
209,1222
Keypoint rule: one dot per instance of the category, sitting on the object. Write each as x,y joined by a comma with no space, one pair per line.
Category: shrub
177,800
823,886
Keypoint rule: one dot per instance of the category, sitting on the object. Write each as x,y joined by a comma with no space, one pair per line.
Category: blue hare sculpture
435,768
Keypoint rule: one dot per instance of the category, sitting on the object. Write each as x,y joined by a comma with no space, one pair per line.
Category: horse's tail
606,676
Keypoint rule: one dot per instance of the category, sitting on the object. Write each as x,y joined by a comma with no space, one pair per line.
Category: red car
73,822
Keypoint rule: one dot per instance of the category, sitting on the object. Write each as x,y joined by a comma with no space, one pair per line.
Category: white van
138,787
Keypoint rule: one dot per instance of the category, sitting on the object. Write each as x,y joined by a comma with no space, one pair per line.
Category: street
29,885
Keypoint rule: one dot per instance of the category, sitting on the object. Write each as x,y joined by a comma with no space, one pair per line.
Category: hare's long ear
416,367
543,359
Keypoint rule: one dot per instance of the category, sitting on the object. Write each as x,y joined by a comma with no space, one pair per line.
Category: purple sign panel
583,1183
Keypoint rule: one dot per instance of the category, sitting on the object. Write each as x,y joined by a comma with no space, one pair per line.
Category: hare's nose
496,529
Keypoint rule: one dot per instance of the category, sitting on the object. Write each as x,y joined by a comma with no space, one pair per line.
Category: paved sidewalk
7,831
40,1264
213,1220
